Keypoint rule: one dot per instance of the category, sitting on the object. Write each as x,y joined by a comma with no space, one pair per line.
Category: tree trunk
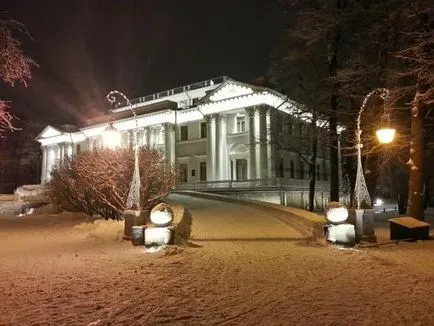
333,120
334,160
415,163
312,166
427,194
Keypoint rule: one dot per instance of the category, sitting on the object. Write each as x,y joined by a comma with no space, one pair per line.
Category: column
61,152
257,144
44,164
151,142
270,171
148,137
224,168
340,176
217,146
222,157
169,144
210,147
166,138
263,144
252,144
145,137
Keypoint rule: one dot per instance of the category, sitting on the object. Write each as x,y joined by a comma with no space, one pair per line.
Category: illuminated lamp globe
162,215
336,213
385,135
111,137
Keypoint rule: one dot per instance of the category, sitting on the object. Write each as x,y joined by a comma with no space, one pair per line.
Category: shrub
98,181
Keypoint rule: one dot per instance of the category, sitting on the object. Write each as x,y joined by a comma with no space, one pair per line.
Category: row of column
51,155
260,165
217,166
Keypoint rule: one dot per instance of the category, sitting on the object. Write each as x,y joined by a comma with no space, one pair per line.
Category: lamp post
133,199
361,193
385,135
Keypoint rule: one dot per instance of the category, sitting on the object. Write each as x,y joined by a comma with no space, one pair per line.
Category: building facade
217,131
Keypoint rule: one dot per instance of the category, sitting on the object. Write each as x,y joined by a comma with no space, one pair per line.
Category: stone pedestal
134,218
369,226
341,234
364,221
359,223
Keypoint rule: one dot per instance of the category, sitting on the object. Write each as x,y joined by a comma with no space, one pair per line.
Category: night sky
86,48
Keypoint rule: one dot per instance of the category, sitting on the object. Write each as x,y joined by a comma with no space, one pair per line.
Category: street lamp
385,135
133,199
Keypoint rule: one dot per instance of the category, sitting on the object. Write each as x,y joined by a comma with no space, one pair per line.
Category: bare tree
14,65
97,182
316,39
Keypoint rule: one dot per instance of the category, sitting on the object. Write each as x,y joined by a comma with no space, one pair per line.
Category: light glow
337,214
157,236
161,215
378,202
385,135
111,137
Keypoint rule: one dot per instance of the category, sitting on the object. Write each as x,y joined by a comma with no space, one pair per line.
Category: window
318,172
279,123
301,170
202,171
203,130
241,168
280,170
297,130
183,169
290,128
291,169
241,124
184,133
324,168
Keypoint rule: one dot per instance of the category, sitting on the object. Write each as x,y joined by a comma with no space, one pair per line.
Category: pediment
48,132
230,90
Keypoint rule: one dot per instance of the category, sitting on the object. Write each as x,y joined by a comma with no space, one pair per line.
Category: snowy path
58,270
218,220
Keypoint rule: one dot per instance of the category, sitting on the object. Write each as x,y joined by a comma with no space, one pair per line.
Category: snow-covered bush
97,182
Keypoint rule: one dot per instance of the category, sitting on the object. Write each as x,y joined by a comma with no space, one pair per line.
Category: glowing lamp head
111,137
385,135
162,215
336,213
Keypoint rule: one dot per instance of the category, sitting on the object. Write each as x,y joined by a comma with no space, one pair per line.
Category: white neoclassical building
217,131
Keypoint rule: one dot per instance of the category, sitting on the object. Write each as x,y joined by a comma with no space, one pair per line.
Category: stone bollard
133,218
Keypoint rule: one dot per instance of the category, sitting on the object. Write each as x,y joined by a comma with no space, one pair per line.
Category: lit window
184,133
241,124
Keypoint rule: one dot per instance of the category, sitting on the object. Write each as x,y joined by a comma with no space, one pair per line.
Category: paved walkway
219,220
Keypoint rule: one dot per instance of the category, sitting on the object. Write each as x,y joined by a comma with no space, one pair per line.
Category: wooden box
408,228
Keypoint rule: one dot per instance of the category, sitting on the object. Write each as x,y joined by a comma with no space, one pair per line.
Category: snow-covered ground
244,268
